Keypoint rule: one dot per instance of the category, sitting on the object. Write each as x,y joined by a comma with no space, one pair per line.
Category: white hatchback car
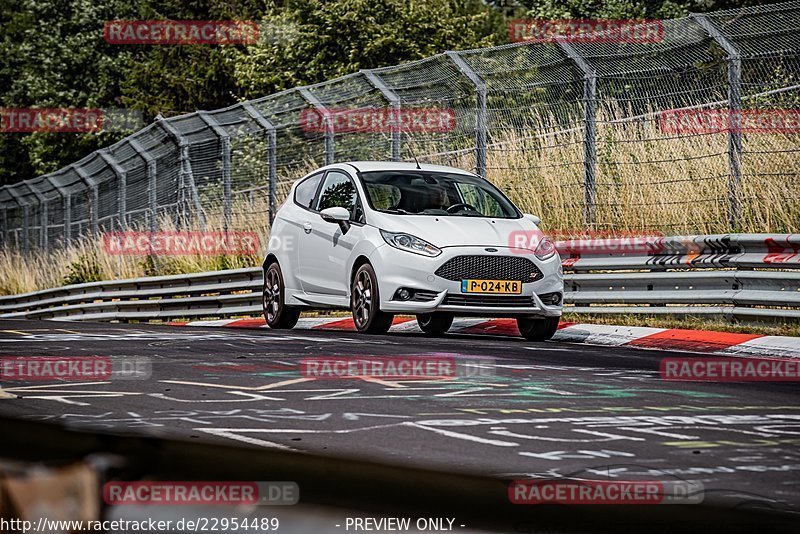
386,238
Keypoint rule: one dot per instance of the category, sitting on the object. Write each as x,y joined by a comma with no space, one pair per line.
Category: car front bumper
398,269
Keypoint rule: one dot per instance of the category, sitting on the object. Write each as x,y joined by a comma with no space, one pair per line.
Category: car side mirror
536,220
337,215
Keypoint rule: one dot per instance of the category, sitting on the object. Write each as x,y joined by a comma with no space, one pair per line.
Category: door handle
307,228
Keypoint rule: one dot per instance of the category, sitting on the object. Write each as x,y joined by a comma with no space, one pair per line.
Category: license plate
491,286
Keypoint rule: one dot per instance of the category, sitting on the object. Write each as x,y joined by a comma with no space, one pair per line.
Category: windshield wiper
396,210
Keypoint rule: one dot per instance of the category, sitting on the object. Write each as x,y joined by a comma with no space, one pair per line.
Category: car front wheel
537,329
276,312
365,303
435,324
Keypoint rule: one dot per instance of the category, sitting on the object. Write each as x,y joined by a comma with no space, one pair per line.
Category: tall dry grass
646,180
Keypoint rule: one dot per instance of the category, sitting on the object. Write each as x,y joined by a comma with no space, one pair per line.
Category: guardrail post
95,199
122,186
272,153
326,119
589,131
225,157
734,116
394,103
480,111
185,174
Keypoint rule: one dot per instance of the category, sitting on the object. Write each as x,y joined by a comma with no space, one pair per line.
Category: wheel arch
359,261
269,260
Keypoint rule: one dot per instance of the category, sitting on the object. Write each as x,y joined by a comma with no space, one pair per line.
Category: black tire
365,303
435,324
537,329
276,312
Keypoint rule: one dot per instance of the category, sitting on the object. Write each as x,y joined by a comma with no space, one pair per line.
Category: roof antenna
413,156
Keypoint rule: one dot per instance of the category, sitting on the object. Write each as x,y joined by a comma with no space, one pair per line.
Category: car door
297,217
326,247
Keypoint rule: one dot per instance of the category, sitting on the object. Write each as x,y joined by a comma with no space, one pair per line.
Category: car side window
306,190
338,190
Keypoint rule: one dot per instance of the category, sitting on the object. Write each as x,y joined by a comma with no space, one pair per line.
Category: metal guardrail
735,276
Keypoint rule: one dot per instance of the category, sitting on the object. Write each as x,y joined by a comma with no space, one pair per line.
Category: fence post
272,152
67,207
22,203
68,219
326,119
26,246
480,111
225,157
734,116
43,215
3,226
589,131
394,103
95,202
122,186
185,174
152,199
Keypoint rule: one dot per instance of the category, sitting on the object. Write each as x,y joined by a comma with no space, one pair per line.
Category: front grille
489,301
489,268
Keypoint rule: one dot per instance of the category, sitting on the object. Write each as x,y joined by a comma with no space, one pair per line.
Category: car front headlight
410,243
546,249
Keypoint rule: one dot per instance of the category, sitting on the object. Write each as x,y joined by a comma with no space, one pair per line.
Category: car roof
368,166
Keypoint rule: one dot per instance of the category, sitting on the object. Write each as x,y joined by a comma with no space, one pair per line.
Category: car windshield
435,193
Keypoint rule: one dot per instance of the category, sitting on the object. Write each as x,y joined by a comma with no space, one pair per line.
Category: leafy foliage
52,53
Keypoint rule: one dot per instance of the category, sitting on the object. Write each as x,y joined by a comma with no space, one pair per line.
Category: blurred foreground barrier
753,277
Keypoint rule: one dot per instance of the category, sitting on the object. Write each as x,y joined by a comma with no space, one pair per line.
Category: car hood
453,231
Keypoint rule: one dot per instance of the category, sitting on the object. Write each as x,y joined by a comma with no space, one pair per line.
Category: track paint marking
227,433
380,382
230,387
465,437
284,383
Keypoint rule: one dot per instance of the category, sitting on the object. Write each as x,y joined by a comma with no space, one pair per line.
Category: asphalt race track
546,409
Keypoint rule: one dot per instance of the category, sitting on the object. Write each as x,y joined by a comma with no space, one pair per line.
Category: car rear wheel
365,303
435,324
276,312
536,328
